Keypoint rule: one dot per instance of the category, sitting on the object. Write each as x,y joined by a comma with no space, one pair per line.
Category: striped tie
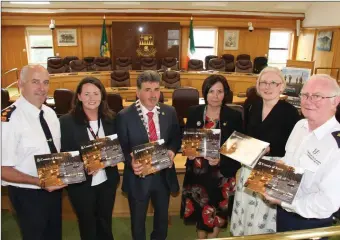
152,128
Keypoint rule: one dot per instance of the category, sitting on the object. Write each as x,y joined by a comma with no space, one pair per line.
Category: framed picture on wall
67,37
324,40
231,39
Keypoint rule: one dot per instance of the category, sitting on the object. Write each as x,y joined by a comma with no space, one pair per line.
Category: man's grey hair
26,70
148,76
326,79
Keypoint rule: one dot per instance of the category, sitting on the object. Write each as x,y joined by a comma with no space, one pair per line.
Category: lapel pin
198,123
163,113
224,124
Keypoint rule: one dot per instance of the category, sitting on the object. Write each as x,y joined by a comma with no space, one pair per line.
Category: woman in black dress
272,120
93,199
208,183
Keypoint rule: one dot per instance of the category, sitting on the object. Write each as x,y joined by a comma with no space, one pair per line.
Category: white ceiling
161,7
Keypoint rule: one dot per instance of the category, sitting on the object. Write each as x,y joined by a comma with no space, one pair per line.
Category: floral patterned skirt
251,214
205,196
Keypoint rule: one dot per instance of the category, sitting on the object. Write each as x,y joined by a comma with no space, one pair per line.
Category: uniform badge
7,112
199,123
336,135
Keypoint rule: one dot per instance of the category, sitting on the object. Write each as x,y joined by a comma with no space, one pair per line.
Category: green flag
104,44
191,43
191,38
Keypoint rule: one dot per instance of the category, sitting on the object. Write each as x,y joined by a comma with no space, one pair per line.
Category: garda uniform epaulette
336,135
7,112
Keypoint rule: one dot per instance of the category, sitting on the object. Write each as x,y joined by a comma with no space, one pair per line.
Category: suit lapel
163,122
107,128
81,133
139,123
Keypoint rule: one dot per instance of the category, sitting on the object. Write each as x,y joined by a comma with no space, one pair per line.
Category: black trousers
288,221
38,212
93,207
159,194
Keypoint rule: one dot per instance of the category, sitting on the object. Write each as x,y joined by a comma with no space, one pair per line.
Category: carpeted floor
120,226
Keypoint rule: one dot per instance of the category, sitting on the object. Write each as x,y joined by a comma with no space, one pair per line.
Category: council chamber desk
238,82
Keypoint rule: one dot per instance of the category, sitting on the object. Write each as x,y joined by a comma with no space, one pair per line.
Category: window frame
288,48
214,47
34,31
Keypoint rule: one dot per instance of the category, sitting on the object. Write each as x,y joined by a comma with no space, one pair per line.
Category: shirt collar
324,128
145,110
29,107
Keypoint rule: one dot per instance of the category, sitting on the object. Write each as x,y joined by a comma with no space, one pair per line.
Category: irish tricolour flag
191,43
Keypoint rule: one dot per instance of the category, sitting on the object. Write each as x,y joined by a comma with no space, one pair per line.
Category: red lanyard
95,136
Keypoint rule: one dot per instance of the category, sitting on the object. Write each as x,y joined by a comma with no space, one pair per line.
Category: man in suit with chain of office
145,121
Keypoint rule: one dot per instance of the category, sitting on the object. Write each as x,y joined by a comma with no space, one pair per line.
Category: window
39,45
205,43
279,48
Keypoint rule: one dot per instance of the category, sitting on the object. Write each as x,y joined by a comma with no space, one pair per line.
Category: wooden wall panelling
254,43
324,59
14,53
91,37
336,56
301,64
64,51
128,41
184,46
293,46
305,46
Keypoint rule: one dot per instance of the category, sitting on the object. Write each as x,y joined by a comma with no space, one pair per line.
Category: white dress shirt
23,137
100,176
318,152
155,119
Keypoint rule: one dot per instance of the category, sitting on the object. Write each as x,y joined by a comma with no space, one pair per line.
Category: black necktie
47,132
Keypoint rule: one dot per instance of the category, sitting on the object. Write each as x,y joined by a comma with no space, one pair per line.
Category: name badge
312,159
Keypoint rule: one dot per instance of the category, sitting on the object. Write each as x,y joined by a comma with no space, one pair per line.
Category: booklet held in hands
201,142
244,149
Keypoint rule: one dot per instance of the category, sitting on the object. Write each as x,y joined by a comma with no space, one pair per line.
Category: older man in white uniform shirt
30,128
314,145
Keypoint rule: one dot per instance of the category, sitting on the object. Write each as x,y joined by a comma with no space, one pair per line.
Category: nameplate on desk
95,72
73,74
122,88
130,100
241,95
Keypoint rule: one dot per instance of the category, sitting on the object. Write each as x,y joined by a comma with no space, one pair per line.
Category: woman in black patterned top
209,183
272,120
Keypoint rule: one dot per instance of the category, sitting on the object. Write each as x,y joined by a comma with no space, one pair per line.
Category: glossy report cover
58,169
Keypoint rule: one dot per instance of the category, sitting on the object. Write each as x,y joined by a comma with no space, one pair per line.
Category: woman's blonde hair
272,70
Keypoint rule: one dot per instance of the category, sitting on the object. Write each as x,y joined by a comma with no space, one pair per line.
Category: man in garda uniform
30,128
314,145
144,121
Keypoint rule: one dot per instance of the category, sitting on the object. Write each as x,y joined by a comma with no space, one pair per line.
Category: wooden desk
130,92
238,82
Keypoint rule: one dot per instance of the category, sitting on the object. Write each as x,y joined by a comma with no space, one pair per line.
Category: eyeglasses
270,84
313,97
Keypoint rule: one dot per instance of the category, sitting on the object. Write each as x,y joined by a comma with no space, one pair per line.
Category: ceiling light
29,2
